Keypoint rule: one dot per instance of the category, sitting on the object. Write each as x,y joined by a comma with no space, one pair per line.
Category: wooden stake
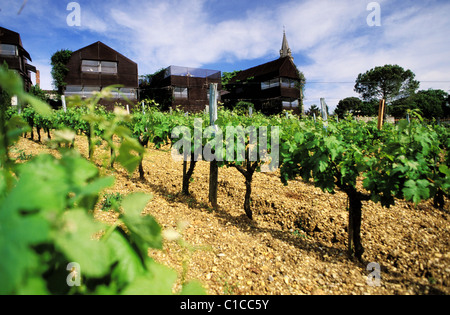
381,114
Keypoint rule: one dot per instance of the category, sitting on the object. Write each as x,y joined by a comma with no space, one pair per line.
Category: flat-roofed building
184,87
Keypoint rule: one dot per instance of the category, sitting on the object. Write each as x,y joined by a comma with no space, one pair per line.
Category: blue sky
331,40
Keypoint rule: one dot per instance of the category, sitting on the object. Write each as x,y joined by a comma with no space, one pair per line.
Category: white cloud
312,22
93,22
332,35
413,37
182,33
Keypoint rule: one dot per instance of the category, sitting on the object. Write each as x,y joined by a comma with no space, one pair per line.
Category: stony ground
296,243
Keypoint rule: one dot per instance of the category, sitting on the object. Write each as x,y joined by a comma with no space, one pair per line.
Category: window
128,93
180,92
95,66
288,104
73,90
270,84
288,83
274,82
88,91
83,91
91,66
108,67
8,50
265,85
285,83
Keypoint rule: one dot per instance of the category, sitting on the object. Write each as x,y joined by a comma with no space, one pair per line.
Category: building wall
18,62
197,94
246,86
127,70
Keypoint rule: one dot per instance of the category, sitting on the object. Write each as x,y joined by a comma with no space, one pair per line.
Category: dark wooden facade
186,88
271,87
97,66
12,51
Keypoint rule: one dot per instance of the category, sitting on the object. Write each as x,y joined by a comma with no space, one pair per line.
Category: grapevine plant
250,149
405,161
47,227
408,161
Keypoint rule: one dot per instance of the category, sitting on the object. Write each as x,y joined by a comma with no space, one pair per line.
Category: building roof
10,37
273,68
285,50
191,72
101,45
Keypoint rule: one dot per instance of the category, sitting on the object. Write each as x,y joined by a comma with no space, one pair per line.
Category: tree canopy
314,109
347,105
357,107
226,77
389,82
59,61
431,103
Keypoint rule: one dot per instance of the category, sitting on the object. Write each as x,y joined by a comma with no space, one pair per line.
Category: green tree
226,77
431,103
368,108
348,105
59,61
389,82
314,109
301,87
242,107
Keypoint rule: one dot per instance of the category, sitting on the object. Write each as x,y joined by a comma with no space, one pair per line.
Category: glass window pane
88,91
294,83
8,50
127,92
294,103
111,64
90,66
180,92
109,67
109,70
90,69
265,85
90,63
274,82
91,88
73,90
285,83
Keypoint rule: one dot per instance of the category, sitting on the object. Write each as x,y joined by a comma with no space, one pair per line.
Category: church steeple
285,50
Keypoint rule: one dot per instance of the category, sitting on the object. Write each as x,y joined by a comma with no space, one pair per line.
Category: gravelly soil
296,243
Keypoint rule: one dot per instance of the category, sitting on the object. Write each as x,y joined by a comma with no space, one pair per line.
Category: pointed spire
285,50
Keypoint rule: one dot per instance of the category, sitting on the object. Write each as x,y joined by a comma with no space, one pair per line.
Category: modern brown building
271,87
187,88
12,51
97,66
